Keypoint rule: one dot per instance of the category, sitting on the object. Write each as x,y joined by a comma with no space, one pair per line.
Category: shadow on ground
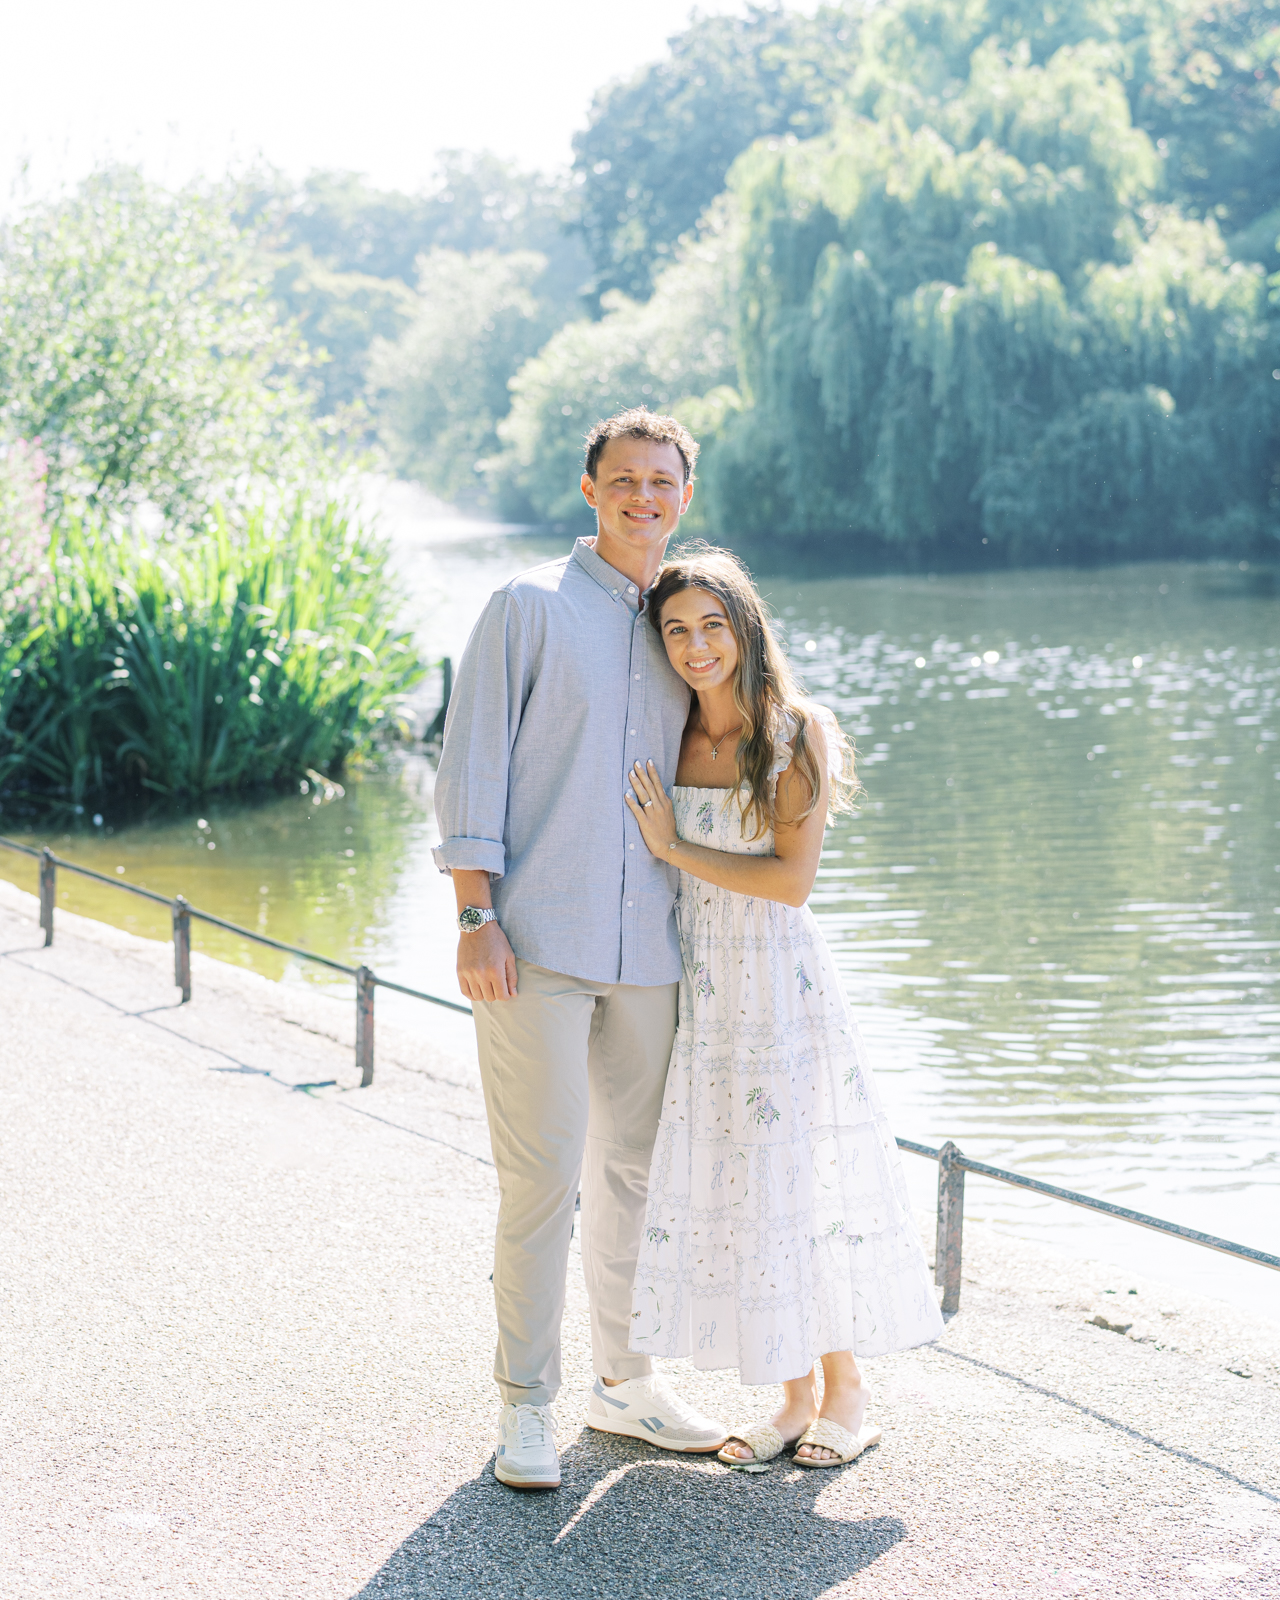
627,1524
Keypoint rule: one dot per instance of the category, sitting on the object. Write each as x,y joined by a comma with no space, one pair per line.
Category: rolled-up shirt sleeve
479,732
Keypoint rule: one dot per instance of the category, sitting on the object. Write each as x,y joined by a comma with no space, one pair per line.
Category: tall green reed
18,639
234,661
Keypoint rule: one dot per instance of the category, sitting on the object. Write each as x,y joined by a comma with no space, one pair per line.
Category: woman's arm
786,876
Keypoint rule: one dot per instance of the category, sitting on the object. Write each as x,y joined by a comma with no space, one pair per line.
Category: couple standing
658,1017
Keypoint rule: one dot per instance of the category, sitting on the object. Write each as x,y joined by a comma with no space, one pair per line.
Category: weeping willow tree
976,314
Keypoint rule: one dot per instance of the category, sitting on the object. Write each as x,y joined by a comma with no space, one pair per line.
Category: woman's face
700,643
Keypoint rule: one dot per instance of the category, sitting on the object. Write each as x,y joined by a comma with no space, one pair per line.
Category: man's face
638,494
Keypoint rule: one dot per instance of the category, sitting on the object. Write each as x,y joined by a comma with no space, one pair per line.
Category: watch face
469,919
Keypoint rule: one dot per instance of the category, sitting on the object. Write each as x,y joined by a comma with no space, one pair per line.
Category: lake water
1057,910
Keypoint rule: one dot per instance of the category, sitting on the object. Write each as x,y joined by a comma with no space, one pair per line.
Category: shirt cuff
470,855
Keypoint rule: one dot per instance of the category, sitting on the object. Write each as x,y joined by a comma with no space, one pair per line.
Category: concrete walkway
246,1334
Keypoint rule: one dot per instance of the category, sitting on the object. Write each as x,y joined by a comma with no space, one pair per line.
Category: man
567,943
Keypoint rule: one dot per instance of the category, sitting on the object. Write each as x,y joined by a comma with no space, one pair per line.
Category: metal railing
183,914
952,1162
952,1166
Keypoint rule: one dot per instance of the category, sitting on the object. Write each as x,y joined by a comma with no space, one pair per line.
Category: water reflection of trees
1064,947
322,874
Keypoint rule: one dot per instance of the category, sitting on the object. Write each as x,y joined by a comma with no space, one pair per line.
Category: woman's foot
798,1409
844,1400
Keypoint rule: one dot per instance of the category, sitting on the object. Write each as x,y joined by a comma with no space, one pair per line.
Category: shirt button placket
629,868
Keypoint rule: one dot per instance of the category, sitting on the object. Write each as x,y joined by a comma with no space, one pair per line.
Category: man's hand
486,964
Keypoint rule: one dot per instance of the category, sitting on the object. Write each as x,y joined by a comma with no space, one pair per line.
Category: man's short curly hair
641,423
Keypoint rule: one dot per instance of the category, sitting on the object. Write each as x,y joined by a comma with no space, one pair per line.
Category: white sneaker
527,1457
646,1408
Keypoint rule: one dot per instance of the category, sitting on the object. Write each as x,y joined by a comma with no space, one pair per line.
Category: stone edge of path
1161,1314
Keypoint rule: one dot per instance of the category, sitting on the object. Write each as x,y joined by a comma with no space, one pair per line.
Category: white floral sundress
778,1226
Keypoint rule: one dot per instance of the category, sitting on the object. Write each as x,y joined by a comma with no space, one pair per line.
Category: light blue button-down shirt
563,684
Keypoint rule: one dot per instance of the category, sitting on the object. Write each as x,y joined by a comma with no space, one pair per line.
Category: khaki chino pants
573,1075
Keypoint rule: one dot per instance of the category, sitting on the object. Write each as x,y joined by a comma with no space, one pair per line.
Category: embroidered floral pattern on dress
765,1113
778,1214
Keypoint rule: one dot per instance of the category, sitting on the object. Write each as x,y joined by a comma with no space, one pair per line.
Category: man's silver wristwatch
471,919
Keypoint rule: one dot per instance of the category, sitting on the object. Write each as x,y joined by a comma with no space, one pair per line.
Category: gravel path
246,1334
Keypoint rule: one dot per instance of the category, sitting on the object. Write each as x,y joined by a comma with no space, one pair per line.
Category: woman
778,1228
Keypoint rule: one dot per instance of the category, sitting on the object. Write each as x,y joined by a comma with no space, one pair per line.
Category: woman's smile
705,669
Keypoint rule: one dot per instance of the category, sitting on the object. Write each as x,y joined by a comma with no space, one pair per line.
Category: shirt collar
614,583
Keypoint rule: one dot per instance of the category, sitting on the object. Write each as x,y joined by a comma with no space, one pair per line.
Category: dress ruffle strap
783,750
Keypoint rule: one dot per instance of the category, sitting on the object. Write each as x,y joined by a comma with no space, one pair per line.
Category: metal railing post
48,892
946,1269
364,1025
182,947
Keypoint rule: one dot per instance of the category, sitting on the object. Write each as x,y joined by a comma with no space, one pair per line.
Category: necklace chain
715,748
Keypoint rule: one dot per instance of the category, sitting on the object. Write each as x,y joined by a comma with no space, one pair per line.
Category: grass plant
233,661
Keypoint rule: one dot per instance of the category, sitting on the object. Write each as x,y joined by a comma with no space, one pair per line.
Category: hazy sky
377,86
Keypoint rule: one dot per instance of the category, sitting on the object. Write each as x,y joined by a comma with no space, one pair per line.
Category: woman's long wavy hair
765,690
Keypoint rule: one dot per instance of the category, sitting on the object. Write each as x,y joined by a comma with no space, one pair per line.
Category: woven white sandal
828,1435
761,1438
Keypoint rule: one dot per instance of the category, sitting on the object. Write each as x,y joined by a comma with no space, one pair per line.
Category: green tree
675,352
1211,101
139,346
1202,81
657,148
973,318
476,202
441,390
345,256
340,315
